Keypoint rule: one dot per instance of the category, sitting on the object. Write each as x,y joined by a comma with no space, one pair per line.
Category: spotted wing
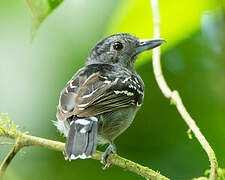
102,89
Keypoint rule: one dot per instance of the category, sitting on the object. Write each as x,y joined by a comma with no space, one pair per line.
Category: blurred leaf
223,5
220,175
6,124
40,9
179,19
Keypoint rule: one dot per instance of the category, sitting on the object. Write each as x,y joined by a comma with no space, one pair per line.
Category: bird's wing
100,88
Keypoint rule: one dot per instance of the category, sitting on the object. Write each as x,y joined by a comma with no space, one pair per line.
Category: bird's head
122,49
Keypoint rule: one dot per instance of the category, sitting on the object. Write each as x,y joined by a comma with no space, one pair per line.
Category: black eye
118,46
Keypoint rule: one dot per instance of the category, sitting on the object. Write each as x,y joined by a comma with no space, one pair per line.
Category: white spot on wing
115,81
131,86
66,90
103,77
64,111
83,105
124,92
88,95
71,85
136,80
107,82
140,92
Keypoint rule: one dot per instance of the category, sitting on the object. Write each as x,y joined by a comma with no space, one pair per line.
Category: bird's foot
110,149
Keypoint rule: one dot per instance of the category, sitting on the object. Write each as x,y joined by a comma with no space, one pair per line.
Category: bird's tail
82,138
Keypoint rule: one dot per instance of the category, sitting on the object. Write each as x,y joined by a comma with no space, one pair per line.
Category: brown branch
23,140
175,97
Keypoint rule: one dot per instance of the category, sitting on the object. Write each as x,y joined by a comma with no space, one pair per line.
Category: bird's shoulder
103,73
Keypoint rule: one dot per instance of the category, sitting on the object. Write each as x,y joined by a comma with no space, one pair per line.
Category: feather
100,88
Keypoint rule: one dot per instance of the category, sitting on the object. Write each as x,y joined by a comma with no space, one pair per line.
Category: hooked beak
147,44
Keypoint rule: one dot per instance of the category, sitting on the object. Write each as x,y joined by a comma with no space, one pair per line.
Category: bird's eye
118,46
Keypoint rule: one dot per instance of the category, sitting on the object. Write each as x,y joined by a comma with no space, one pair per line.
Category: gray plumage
81,138
102,98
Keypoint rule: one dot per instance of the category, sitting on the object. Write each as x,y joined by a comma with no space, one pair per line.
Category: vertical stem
175,97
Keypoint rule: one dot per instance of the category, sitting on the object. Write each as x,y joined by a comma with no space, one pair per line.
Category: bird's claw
110,149
107,165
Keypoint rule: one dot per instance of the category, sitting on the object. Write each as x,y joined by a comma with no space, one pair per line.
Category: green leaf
40,9
179,19
6,124
221,174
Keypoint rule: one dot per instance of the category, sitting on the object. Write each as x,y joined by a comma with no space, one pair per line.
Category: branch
23,140
175,97
15,148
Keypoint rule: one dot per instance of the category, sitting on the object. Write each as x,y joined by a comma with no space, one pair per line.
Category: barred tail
82,138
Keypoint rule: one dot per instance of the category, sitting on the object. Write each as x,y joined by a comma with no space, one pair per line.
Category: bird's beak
147,44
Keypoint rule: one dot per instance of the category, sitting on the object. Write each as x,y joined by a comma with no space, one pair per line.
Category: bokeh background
193,60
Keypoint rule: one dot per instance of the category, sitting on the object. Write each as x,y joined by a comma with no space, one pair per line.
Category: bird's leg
110,149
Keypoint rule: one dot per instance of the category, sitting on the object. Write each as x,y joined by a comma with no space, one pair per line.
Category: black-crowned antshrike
102,98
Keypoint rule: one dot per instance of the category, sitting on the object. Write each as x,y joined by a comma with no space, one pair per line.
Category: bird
102,98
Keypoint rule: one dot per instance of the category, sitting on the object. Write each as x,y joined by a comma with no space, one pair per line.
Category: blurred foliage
130,17
40,9
6,124
179,19
220,175
32,77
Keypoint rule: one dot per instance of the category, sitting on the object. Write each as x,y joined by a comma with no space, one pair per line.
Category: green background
193,61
